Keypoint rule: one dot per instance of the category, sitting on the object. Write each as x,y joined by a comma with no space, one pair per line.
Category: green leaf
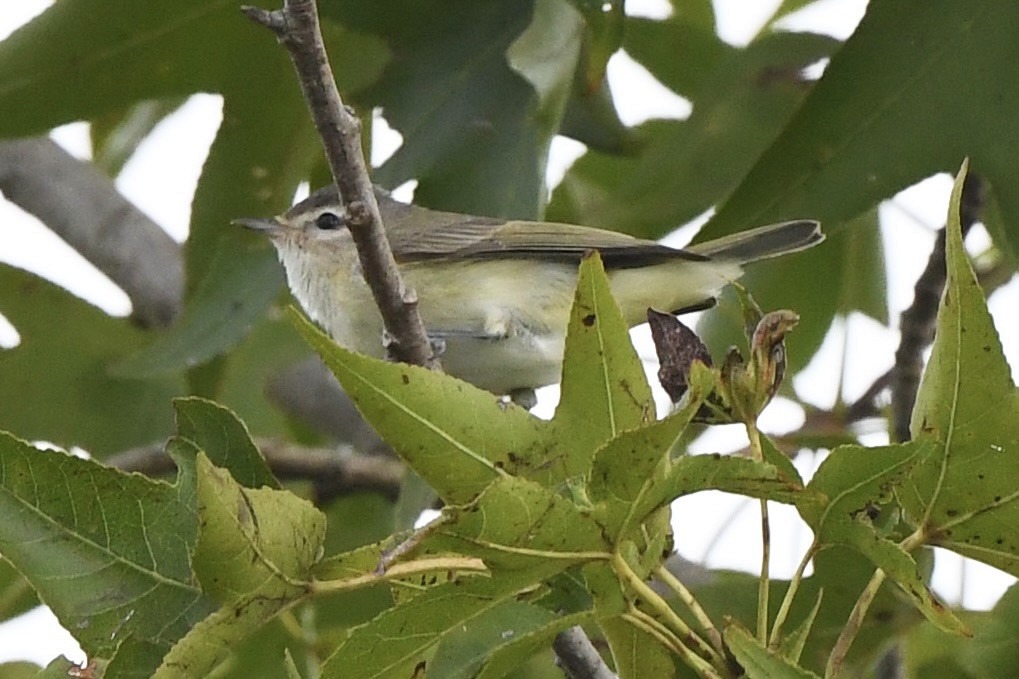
636,654
855,481
29,670
791,645
456,436
116,136
604,389
994,649
515,521
757,660
109,553
740,475
546,54
629,465
499,640
255,551
55,385
964,496
224,439
900,70
253,540
16,594
685,167
476,143
398,640
525,644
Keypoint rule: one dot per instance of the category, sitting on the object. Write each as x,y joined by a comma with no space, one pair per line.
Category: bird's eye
327,221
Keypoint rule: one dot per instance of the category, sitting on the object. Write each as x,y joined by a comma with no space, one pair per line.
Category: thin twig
82,205
764,583
297,27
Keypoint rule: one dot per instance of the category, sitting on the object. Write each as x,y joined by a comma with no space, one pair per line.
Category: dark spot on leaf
952,512
997,498
499,465
405,378
980,476
987,348
588,320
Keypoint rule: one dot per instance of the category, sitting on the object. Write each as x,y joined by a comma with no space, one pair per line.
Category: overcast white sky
726,530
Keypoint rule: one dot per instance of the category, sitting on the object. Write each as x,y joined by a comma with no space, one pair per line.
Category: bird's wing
463,237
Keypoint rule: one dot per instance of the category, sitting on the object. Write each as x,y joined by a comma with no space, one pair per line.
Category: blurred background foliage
478,89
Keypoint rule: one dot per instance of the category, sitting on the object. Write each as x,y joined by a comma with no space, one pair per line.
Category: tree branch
334,471
309,392
297,27
578,657
82,206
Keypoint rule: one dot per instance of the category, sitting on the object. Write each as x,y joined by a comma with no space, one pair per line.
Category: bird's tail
762,242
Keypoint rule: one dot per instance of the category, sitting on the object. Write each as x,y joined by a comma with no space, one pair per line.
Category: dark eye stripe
327,221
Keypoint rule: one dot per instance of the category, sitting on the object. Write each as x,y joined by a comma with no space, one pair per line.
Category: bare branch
334,471
81,205
578,657
297,27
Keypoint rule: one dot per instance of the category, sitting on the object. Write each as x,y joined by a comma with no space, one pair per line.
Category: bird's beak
270,227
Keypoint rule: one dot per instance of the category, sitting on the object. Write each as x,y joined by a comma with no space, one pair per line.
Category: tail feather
762,242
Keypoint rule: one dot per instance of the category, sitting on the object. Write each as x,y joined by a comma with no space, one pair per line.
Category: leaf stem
763,589
853,624
687,597
656,629
790,595
669,616
399,570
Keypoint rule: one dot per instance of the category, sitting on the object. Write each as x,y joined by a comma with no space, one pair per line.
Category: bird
495,294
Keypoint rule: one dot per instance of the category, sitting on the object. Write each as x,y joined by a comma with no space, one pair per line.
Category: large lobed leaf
964,495
110,553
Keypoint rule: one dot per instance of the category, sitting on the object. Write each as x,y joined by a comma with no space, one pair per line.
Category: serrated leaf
108,552
224,438
604,389
964,496
253,540
456,436
395,642
854,481
516,521
757,660
64,393
254,555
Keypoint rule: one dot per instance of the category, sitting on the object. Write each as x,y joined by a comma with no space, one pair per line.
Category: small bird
495,293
